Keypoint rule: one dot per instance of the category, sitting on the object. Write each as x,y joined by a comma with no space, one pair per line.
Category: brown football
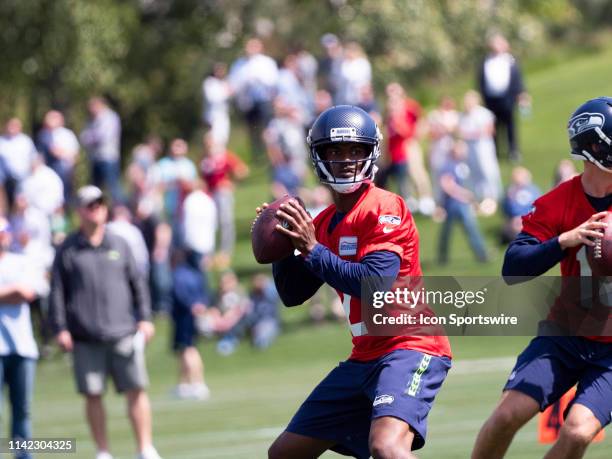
600,255
270,245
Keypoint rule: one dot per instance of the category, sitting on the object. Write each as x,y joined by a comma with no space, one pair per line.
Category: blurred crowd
173,203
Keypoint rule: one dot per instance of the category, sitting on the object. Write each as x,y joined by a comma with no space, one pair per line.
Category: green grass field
255,394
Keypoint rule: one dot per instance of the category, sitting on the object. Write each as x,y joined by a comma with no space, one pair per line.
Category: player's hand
583,232
258,211
302,232
147,329
64,341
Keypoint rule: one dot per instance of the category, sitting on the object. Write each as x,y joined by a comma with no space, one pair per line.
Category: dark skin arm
302,232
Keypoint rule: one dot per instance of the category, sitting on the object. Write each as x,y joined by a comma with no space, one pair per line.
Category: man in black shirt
100,310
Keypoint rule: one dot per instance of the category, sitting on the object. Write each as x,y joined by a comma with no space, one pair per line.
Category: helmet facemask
364,170
598,153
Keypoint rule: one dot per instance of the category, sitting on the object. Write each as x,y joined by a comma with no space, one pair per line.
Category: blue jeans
18,374
65,171
160,283
463,214
106,175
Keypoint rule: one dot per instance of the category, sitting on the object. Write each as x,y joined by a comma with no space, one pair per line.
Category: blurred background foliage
149,56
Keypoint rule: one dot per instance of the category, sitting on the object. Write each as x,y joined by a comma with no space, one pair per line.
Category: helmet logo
343,134
585,122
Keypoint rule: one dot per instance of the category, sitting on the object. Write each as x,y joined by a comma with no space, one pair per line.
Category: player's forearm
295,284
528,257
346,276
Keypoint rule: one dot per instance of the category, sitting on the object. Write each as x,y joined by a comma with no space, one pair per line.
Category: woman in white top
216,93
441,126
477,128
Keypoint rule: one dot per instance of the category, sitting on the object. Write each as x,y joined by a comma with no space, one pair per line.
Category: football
600,255
269,245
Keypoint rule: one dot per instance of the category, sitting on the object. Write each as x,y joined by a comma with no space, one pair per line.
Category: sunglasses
95,204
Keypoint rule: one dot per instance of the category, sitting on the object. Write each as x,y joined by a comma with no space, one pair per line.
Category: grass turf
254,394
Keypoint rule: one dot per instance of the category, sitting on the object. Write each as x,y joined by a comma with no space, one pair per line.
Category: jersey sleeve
541,222
388,226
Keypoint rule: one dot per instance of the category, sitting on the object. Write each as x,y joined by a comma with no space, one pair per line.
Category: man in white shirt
501,85
43,188
60,147
199,221
254,79
356,73
102,139
17,152
216,93
21,282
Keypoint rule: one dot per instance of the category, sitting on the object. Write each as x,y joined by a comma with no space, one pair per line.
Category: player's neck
345,202
595,182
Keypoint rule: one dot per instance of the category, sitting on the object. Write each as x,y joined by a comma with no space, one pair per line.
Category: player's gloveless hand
258,211
302,232
584,231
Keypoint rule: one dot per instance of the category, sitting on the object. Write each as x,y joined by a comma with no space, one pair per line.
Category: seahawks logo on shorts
383,400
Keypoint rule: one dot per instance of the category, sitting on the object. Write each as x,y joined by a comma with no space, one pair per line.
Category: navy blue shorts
402,384
185,332
550,366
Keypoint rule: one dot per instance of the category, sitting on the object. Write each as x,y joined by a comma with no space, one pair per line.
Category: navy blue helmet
344,123
590,132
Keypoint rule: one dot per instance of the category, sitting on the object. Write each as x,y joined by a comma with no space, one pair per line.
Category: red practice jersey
560,210
379,221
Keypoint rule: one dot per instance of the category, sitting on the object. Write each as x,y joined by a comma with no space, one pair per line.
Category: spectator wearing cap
21,282
100,311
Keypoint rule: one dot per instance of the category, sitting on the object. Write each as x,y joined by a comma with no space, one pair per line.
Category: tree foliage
150,56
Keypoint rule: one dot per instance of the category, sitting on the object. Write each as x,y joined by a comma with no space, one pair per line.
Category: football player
376,402
557,230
